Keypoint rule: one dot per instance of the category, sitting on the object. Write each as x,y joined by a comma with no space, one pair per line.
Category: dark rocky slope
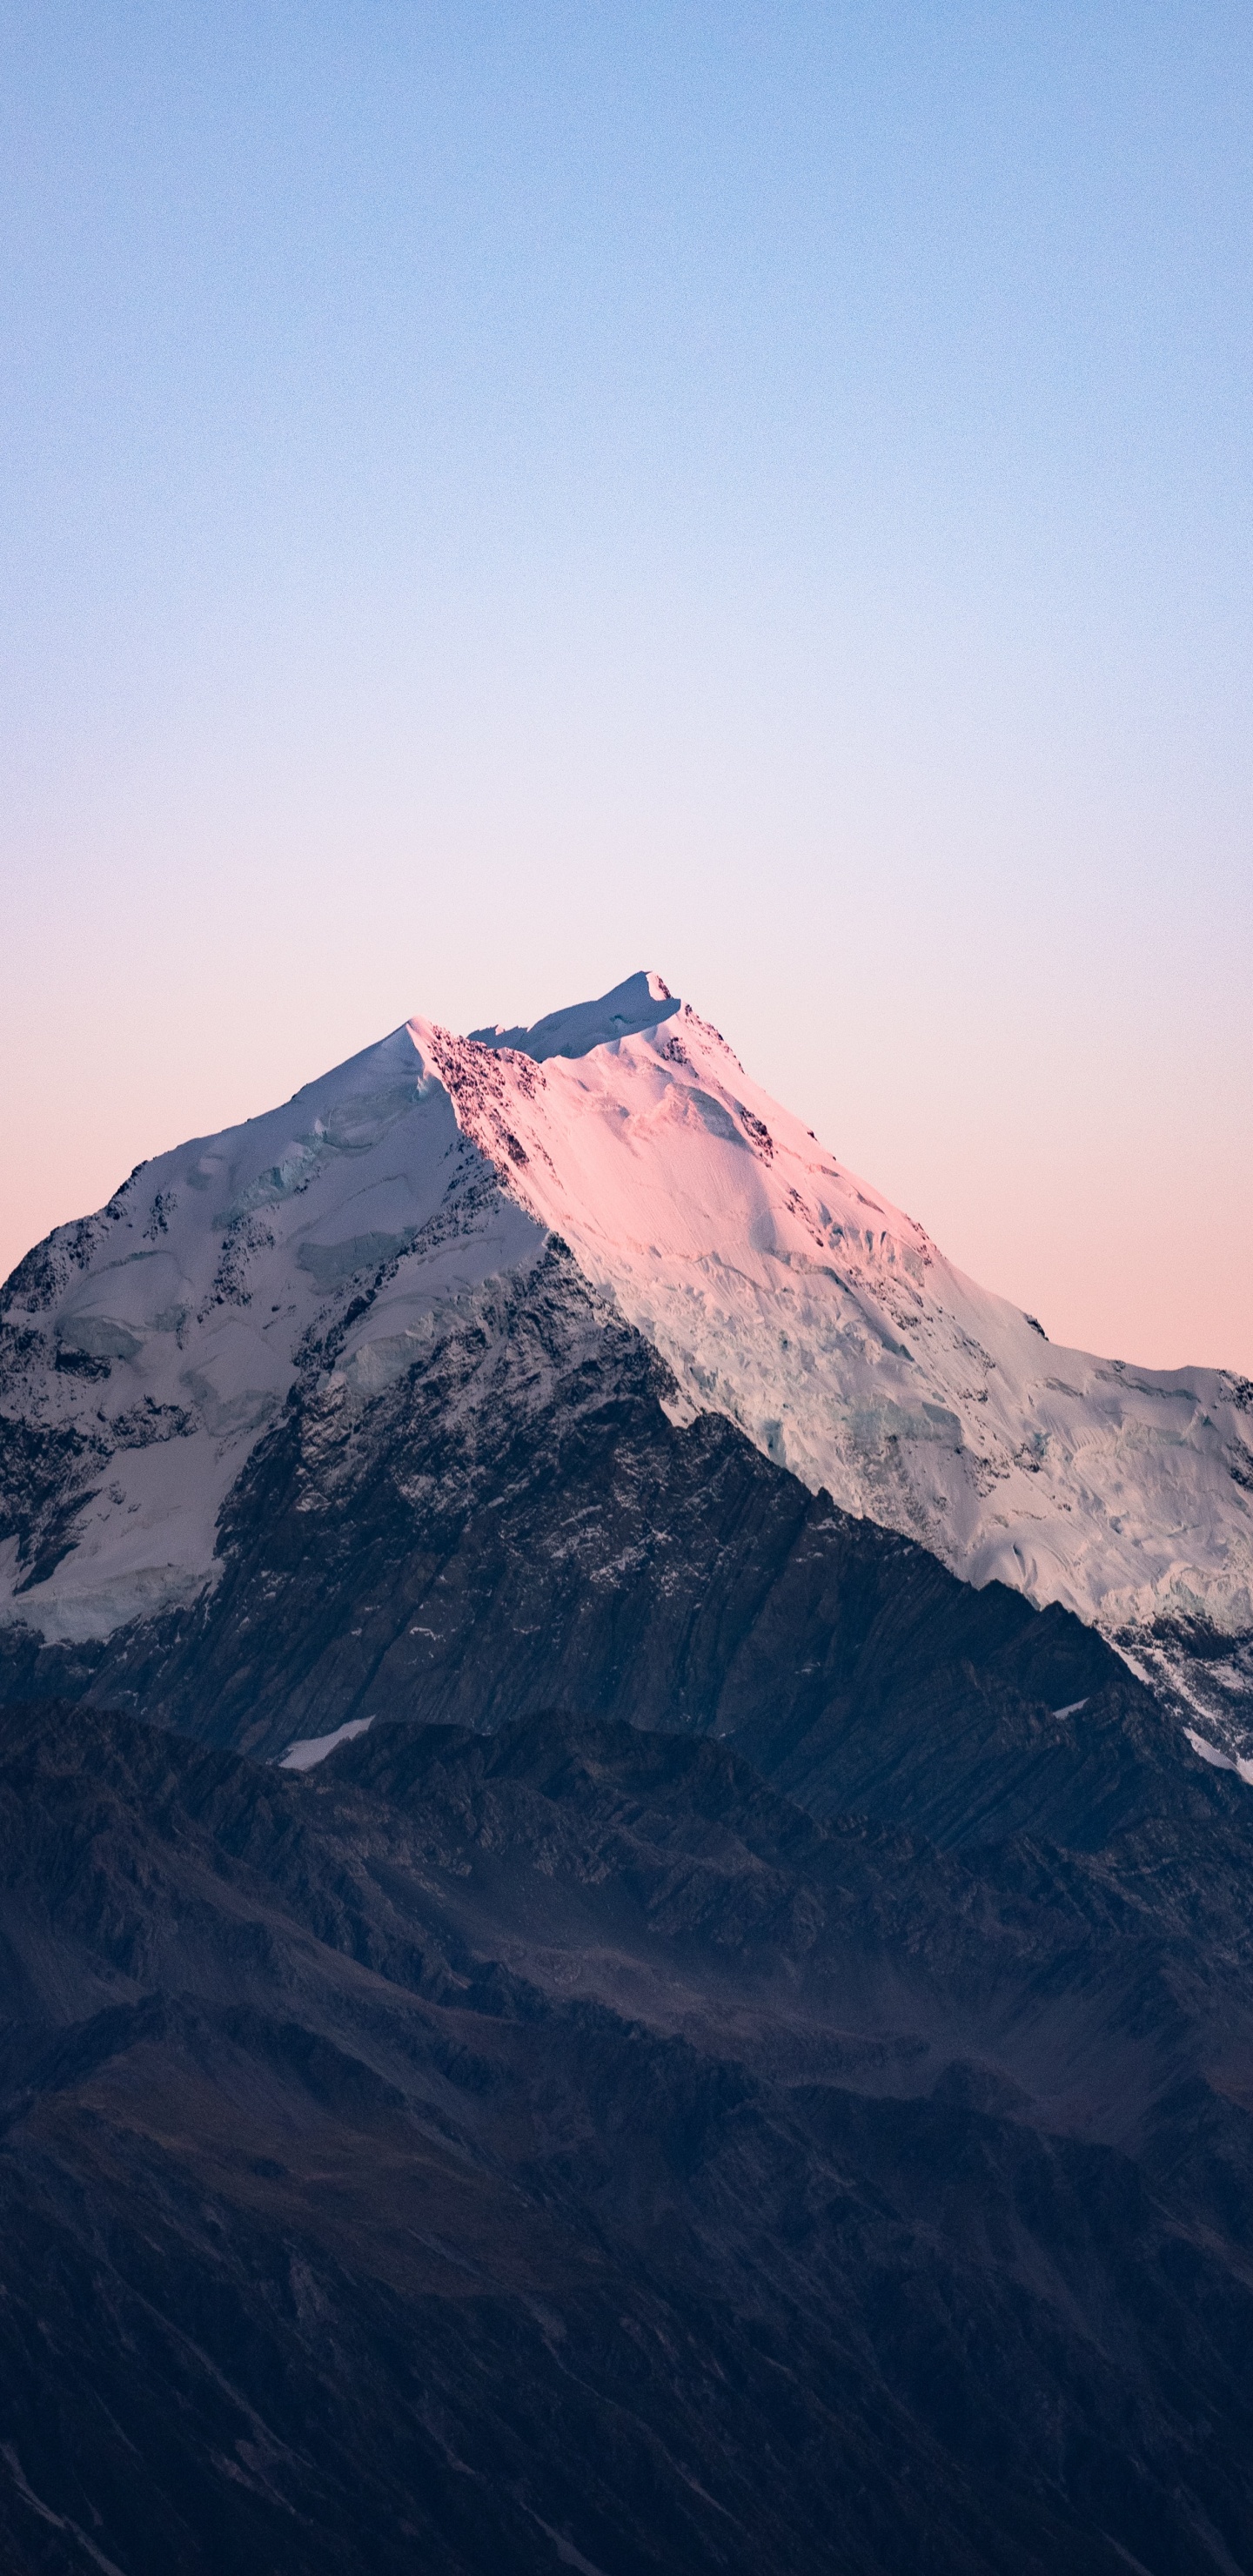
518,1524
557,2149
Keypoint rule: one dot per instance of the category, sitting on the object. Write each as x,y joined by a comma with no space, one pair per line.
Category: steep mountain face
518,1521
448,1262
787,2110
553,2148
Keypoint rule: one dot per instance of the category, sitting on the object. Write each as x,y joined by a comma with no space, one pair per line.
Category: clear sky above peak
488,495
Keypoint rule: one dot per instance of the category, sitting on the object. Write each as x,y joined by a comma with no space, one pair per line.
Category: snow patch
308,1750
1220,1761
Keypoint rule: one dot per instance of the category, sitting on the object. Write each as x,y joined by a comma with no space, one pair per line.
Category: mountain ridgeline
625,1829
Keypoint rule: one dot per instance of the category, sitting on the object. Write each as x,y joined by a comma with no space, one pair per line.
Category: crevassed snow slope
148,1348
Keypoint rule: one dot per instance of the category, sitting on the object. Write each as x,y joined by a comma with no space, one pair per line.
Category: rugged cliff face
554,2148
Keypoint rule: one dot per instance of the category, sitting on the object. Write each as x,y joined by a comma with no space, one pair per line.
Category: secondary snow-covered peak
641,1002
144,1351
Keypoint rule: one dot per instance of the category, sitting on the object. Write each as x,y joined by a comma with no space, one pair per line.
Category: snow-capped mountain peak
149,1349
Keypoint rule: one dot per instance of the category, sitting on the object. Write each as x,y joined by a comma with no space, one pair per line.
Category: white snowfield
308,1750
782,1291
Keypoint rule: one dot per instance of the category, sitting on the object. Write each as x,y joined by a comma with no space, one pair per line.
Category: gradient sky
495,496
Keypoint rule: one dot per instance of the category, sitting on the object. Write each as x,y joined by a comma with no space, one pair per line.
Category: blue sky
491,497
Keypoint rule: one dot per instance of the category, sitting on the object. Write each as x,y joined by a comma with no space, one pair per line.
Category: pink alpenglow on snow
792,1296
781,1290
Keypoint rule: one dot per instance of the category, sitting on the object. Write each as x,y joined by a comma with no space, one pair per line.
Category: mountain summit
641,1003
150,1351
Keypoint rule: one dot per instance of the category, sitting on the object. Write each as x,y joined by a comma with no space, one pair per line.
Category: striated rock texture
554,2148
